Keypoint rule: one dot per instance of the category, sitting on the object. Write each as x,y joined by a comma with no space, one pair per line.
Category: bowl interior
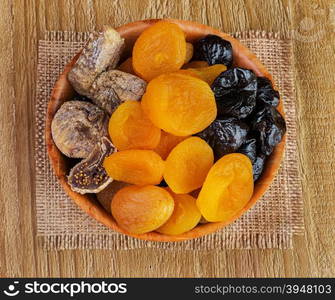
63,91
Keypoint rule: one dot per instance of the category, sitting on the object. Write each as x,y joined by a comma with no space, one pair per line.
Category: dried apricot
127,66
196,64
189,52
227,189
187,165
139,167
106,195
208,74
167,142
130,128
141,209
188,72
159,49
185,216
179,104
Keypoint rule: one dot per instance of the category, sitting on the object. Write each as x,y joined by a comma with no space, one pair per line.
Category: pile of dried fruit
173,121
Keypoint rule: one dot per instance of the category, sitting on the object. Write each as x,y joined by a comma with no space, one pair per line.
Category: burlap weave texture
271,223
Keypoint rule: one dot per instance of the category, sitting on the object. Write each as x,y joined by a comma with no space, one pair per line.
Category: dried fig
101,52
77,127
89,176
113,87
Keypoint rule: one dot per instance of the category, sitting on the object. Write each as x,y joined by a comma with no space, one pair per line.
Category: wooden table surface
22,23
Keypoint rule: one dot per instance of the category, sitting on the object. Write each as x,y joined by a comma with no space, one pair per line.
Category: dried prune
265,92
225,135
235,92
214,50
269,128
258,165
249,149
163,184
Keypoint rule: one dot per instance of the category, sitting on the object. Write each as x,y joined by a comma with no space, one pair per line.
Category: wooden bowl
63,91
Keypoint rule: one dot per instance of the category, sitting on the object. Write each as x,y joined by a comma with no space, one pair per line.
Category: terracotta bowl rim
91,206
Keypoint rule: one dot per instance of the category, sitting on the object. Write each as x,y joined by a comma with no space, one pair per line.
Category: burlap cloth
271,223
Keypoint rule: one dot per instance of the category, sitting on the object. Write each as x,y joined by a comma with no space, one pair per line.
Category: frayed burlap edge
123,242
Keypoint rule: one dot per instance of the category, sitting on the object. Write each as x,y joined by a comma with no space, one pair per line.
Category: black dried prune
163,183
269,127
235,92
265,92
214,50
258,165
249,149
225,135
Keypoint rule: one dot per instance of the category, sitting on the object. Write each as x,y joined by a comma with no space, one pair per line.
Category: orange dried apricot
187,165
159,49
141,209
208,74
185,216
106,195
130,128
139,167
179,104
227,189
188,72
127,66
189,52
167,142
196,64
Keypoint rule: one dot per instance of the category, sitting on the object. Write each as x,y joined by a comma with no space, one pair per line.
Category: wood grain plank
9,188
315,94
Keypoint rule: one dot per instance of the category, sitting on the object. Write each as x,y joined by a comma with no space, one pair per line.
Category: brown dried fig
113,87
77,127
102,51
89,176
